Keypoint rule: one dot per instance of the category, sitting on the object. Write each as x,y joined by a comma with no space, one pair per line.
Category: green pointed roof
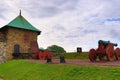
21,23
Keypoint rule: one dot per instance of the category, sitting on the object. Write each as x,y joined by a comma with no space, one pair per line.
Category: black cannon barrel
106,42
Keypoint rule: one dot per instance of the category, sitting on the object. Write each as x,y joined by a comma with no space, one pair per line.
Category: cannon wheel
117,54
110,54
92,55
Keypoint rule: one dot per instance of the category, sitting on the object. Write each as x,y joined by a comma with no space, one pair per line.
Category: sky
68,23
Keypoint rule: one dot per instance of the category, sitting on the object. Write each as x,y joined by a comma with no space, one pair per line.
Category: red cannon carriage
105,51
43,54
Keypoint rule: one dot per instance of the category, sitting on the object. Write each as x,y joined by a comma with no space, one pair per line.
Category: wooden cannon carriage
43,54
105,51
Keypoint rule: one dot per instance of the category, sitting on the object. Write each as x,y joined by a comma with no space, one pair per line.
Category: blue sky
68,23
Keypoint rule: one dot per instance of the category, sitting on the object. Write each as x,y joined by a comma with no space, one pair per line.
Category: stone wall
18,36
2,48
3,52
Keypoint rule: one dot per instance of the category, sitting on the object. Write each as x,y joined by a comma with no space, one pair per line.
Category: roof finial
20,12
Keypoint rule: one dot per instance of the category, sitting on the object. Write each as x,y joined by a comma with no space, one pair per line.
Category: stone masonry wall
16,36
2,48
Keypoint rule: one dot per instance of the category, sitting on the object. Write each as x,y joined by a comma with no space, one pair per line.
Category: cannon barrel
106,42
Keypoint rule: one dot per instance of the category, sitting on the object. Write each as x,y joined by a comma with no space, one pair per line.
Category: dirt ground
81,62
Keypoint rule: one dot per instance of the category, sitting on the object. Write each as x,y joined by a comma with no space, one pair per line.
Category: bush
56,49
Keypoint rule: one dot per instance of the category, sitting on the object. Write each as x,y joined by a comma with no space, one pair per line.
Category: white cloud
68,23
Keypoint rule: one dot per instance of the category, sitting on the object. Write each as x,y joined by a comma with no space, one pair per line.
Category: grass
74,55
24,70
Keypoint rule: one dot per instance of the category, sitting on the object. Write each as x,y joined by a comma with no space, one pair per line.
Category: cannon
43,54
105,51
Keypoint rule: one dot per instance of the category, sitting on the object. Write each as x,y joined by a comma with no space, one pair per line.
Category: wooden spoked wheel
117,53
110,52
92,55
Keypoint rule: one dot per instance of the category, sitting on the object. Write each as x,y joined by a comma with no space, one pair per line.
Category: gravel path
1,79
81,62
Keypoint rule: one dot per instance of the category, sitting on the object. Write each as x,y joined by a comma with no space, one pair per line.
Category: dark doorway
16,49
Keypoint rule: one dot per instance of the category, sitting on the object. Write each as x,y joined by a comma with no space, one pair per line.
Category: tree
56,49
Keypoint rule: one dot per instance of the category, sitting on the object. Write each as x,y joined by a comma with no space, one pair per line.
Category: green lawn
24,70
74,55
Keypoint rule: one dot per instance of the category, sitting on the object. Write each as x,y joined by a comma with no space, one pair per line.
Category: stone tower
18,36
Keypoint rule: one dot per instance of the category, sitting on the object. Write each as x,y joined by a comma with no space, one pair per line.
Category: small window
26,36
